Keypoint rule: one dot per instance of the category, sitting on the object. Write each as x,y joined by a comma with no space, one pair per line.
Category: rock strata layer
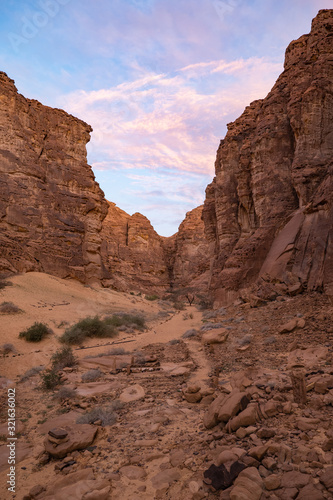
269,210
51,208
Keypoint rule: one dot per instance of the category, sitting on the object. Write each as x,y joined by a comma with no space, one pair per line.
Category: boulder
79,437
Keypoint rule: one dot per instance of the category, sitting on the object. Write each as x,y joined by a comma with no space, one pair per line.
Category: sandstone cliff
51,208
187,253
132,253
54,217
269,210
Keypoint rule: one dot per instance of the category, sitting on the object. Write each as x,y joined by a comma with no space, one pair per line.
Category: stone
327,478
248,485
177,458
294,479
236,401
191,397
310,492
165,478
80,436
133,472
226,456
289,327
309,358
210,418
219,477
80,485
247,417
307,424
58,433
272,482
132,393
217,336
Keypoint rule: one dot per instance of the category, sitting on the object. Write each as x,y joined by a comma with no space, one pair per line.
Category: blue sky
158,80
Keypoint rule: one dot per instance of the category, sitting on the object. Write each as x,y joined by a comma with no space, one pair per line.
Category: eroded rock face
51,208
269,210
133,252
188,252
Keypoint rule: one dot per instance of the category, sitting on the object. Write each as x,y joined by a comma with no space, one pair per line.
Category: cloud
170,121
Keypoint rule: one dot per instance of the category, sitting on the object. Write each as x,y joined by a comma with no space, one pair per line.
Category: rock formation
187,252
51,208
54,217
132,252
269,210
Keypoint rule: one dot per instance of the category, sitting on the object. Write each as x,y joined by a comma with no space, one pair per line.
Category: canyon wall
54,217
268,211
51,208
132,253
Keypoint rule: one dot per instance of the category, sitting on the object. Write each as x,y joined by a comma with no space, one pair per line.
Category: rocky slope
51,208
269,209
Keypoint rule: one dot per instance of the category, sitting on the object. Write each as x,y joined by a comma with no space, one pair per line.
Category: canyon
266,225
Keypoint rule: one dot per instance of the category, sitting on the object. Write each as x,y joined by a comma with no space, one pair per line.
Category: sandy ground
60,303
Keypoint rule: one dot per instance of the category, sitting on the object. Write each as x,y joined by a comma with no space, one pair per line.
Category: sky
158,80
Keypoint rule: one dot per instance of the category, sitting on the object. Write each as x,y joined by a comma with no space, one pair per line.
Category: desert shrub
88,327
4,283
7,348
65,393
190,334
179,305
205,303
51,379
9,308
247,339
35,333
62,358
125,319
106,414
151,297
31,372
173,342
92,375
117,351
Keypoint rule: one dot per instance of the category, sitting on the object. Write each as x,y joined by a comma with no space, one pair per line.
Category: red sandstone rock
51,208
269,210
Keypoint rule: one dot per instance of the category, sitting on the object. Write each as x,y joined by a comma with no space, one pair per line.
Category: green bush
35,333
51,379
151,297
62,358
120,319
88,327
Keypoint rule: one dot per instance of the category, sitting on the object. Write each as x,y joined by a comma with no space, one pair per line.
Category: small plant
65,393
190,334
7,348
30,373
63,358
106,414
178,305
51,379
9,308
88,327
125,319
117,351
4,283
151,297
35,333
91,375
